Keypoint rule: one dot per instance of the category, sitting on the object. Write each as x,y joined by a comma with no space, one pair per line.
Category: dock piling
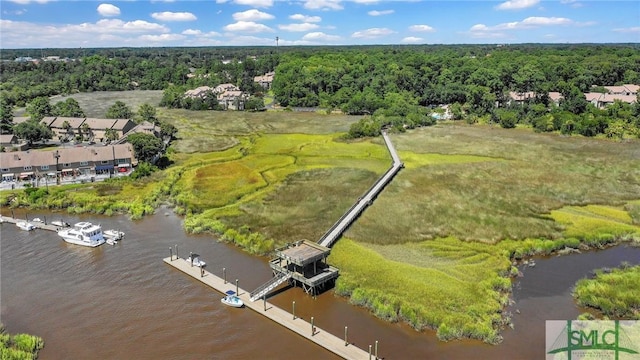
264,301
375,353
191,258
294,310
176,251
313,329
346,343
237,287
224,274
170,254
201,270
369,352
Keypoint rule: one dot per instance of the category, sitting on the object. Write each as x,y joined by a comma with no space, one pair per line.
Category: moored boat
83,233
113,234
232,300
194,259
25,225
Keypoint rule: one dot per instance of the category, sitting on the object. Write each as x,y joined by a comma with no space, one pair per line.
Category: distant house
222,88
199,92
626,89
521,97
555,97
57,125
600,100
232,100
8,140
265,80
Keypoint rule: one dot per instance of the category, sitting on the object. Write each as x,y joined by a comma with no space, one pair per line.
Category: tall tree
38,108
32,131
68,108
6,116
145,146
147,112
119,110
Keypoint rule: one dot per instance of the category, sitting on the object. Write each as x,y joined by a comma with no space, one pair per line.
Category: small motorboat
60,223
113,234
232,300
37,220
25,225
111,241
194,259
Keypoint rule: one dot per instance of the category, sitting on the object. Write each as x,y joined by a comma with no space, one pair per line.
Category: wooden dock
280,316
38,225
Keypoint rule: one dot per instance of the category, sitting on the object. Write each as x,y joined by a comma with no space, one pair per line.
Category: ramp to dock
267,287
330,237
298,325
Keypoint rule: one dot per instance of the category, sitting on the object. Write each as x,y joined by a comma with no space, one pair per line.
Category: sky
168,23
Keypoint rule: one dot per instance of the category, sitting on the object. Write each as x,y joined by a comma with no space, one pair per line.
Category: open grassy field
470,200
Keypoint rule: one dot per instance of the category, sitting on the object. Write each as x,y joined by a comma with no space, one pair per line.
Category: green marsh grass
614,293
435,248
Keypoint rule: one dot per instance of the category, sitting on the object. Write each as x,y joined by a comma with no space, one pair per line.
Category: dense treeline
129,69
396,85
476,80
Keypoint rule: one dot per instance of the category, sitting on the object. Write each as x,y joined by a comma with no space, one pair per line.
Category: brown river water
123,302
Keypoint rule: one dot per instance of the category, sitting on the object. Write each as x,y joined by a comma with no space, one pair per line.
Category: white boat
113,234
37,220
83,233
111,241
25,225
60,223
194,259
232,300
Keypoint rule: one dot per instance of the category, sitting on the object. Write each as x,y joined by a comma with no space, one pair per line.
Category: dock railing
268,286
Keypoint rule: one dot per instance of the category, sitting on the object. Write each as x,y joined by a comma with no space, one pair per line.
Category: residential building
265,80
66,162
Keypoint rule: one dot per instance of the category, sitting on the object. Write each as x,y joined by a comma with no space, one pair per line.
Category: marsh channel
123,302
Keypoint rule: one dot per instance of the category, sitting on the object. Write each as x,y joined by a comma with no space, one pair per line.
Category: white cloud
517,4
412,40
254,3
323,4
174,16
320,37
421,28
380,13
635,29
372,33
108,10
298,27
305,18
192,32
252,15
105,32
247,26
528,23
574,3
366,1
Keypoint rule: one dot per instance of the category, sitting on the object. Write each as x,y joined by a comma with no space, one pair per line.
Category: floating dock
280,316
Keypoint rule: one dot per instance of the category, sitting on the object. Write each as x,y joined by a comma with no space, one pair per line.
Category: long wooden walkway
330,237
280,316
